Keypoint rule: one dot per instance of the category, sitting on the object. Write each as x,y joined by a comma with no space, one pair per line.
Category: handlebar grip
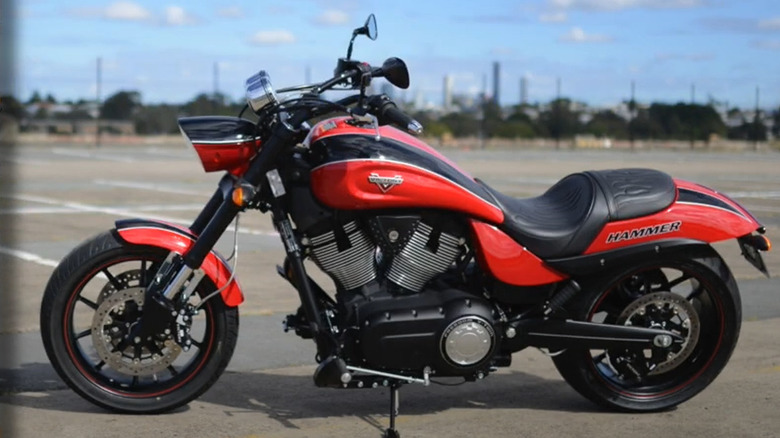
387,112
394,115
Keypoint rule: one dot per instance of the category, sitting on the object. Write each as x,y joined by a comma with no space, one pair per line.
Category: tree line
559,119
563,119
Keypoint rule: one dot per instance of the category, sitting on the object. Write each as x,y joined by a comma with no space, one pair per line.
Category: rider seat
564,220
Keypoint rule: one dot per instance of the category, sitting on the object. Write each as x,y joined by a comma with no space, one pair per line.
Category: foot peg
332,373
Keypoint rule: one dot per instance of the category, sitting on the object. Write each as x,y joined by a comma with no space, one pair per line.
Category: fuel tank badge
385,183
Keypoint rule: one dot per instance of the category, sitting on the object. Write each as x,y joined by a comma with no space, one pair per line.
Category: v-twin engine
408,251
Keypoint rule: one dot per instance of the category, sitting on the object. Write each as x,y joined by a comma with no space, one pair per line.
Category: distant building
524,90
388,89
496,81
447,100
419,100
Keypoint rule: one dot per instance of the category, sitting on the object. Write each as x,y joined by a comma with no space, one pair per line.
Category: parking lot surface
64,194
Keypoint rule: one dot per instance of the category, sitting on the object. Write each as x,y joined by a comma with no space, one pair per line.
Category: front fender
179,239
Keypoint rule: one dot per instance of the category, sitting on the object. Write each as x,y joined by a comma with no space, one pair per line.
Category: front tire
698,298
94,297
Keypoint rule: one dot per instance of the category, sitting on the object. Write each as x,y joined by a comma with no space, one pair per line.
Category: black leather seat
567,217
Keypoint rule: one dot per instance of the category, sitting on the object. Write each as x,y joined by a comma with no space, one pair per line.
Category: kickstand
392,432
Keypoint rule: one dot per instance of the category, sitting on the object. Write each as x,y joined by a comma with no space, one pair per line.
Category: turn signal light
238,196
243,194
767,243
758,241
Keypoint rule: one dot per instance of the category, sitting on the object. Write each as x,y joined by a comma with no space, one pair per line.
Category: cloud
492,18
332,17
577,35
770,24
553,17
177,16
692,57
616,5
741,25
502,51
230,12
767,44
272,37
121,11
131,11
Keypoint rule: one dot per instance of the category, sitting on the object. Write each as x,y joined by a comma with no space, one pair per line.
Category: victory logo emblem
385,183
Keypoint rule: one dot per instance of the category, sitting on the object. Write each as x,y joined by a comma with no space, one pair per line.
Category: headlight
259,91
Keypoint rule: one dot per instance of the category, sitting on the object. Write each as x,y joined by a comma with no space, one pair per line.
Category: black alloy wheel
91,304
697,299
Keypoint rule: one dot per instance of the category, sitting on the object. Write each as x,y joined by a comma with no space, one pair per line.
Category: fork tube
207,213
225,214
222,192
326,345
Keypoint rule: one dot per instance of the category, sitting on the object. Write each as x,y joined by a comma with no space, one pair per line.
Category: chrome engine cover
468,340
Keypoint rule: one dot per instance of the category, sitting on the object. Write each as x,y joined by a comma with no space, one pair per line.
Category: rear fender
179,239
698,214
589,264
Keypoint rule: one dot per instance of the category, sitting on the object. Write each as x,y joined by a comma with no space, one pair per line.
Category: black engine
393,314
450,331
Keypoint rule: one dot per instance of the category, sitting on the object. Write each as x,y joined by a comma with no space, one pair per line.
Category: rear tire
710,294
93,297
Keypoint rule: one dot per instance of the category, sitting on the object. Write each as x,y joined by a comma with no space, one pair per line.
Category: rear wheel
93,300
697,299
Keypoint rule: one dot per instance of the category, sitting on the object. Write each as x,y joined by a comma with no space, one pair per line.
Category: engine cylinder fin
416,264
352,267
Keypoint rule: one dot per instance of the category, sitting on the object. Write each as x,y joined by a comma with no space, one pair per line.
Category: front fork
179,274
326,343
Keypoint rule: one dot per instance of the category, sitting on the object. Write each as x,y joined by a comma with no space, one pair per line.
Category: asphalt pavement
64,194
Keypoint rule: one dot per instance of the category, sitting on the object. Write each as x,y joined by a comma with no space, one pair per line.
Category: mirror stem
349,49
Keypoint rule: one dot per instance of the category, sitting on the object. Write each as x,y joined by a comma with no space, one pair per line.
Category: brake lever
367,118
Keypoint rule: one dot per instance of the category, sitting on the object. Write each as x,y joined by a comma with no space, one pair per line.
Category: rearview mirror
395,71
368,29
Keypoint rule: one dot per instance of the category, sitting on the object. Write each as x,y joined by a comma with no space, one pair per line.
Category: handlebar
347,73
387,112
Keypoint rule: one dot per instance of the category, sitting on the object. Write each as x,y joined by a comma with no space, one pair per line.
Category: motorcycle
436,274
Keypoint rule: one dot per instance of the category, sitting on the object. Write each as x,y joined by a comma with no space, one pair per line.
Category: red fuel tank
361,168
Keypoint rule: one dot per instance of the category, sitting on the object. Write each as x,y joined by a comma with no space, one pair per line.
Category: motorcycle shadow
285,397
289,394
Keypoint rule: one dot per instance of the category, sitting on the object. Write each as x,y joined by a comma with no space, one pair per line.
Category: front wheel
696,298
93,300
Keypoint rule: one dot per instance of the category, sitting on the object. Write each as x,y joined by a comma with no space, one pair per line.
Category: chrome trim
389,375
414,128
237,140
259,91
737,213
178,282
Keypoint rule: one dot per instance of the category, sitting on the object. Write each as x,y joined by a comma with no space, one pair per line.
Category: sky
168,50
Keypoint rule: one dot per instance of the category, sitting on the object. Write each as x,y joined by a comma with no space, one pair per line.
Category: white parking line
149,186
763,208
27,161
92,155
28,257
35,258
754,195
125,212
70,210
183,154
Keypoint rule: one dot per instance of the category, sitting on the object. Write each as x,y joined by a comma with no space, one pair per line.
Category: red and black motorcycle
437,274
